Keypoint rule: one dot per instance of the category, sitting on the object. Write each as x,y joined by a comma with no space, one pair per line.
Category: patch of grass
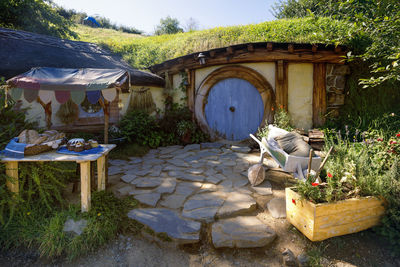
107,218
126,150
142,52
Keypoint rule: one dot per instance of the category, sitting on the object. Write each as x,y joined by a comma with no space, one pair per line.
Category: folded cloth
294,144
14,149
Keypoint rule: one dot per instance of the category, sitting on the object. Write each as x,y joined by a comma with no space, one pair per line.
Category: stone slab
236,204
202,207
277,208
127,178
169,222
211,145
264,189
240,149
169,149
135,160
145,182
191,147
76,227
167,186
178,162
113,170
241,232
149,199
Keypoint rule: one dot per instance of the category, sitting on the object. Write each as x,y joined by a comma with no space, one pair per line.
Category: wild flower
330,175
315,184
398,135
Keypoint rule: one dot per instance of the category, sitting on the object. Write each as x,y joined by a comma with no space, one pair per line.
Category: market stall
44,84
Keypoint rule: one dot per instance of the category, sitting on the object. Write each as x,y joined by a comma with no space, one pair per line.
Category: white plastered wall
300,92
266,69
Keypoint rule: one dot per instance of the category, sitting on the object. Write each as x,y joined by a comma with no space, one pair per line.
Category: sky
146,14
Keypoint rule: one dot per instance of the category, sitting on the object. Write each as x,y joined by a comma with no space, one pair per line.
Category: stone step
181,230
241,232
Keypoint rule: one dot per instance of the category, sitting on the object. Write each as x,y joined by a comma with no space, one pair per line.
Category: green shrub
281,120
12,123
140,127
144,129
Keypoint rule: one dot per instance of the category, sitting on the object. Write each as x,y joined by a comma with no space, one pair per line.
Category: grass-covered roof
142,52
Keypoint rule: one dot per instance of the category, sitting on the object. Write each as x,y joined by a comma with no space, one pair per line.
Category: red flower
398,135
330,175
315,184
293,201
379,139
393,142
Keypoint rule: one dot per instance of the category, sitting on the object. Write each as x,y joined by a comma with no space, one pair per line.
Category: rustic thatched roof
20,51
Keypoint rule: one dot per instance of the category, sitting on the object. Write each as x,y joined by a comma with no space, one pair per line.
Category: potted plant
348,197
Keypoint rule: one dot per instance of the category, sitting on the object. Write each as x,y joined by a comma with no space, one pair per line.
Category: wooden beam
250,47
212,53
338,49
319,94
270,46
281,84
291,48
259,55
230,50
314,48
191,88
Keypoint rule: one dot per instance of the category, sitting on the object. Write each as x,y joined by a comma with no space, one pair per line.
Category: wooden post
106,110
12,172
47,112
101,173
319,94
85,186
191,89
281,84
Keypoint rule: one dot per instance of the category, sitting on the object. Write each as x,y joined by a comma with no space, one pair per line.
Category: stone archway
253,77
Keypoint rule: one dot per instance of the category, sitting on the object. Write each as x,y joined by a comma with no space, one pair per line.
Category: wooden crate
322,221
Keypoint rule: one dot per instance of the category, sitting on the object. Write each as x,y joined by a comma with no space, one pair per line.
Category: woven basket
40,148
36,149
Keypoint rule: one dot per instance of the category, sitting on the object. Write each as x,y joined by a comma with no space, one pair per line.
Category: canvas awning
65,84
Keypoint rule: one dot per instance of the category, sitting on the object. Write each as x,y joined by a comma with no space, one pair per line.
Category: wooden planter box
322,221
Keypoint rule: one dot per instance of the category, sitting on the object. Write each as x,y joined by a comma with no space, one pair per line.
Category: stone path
181,188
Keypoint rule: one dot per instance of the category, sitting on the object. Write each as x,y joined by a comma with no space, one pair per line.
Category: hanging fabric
30,95
93,96
16,93
62,96
109,94
46,96
78,97
141,99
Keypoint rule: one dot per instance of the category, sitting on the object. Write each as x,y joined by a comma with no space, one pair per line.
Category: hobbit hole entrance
234,109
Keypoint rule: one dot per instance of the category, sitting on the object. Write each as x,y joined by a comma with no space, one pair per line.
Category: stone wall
335,84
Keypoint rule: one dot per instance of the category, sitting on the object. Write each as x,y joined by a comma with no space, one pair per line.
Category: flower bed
324,220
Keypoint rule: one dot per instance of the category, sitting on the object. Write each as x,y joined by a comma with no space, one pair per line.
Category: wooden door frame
240,72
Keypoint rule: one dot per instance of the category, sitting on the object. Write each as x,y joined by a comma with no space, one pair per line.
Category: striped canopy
65,84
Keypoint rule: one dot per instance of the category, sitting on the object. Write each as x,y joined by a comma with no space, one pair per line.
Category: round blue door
234,109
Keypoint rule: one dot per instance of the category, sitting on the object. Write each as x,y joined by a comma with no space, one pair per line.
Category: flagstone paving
180,188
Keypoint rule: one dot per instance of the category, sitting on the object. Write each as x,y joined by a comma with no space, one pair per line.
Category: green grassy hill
142,52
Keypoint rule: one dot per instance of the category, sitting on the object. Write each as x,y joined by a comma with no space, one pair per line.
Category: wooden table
84,161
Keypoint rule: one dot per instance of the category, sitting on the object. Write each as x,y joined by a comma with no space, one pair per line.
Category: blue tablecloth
96,150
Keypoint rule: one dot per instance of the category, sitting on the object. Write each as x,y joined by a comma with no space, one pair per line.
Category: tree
35,16
191,25
376,21
168,26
